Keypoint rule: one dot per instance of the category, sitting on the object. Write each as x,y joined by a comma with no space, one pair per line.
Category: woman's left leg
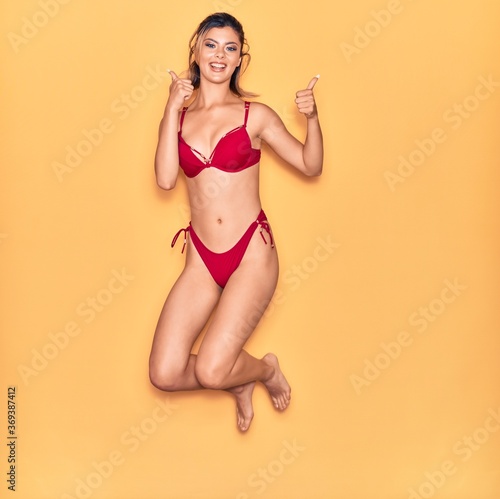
222,363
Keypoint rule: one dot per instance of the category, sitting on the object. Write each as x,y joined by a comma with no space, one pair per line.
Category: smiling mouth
217,66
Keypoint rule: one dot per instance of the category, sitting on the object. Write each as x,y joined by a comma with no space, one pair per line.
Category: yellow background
394,251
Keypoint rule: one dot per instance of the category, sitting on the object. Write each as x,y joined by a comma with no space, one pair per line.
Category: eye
210,45
231,48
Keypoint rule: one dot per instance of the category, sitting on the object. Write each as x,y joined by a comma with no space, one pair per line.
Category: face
219,54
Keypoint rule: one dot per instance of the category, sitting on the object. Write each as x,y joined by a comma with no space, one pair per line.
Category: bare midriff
223,205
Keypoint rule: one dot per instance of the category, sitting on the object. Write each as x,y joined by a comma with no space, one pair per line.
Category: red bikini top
233,152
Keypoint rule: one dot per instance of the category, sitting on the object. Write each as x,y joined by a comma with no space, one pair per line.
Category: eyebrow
228,43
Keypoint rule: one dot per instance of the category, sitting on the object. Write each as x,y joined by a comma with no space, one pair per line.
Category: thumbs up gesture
305,99
181,90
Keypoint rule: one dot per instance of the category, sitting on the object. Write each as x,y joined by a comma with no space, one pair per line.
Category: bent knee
210,376
165,378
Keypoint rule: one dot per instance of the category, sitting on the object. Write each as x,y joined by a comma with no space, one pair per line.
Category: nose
220,53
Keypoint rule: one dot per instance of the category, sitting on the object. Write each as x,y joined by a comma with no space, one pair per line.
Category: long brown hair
220,20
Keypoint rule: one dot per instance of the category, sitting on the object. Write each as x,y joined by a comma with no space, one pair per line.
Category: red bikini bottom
222,265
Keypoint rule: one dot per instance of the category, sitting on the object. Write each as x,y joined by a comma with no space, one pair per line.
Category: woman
231,267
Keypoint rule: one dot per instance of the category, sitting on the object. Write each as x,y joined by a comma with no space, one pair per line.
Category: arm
307,157
167,151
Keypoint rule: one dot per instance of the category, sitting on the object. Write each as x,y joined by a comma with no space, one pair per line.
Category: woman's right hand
181,90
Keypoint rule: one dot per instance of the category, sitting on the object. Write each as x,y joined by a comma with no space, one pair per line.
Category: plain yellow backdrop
386,315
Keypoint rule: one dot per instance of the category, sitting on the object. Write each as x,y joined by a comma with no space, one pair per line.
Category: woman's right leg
185,313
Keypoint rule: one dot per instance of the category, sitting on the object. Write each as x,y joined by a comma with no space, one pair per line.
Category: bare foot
244,407
277,385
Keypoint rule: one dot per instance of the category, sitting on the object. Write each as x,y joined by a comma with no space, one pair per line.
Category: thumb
172,74
313,82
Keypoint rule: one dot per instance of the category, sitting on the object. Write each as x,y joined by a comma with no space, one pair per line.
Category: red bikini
233,153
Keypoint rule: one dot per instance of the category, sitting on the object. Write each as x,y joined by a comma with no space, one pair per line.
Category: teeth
218,65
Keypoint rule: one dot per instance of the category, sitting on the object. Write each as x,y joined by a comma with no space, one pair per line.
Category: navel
219,220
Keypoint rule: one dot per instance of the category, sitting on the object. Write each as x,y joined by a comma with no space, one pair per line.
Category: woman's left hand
305,100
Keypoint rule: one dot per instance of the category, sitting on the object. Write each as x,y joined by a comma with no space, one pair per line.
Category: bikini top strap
247,107
183,114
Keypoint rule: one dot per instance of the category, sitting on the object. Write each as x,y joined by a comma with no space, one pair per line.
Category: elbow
165,184
164,179
316,172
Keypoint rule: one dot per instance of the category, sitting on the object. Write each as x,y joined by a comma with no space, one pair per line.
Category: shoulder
260,109
262,115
